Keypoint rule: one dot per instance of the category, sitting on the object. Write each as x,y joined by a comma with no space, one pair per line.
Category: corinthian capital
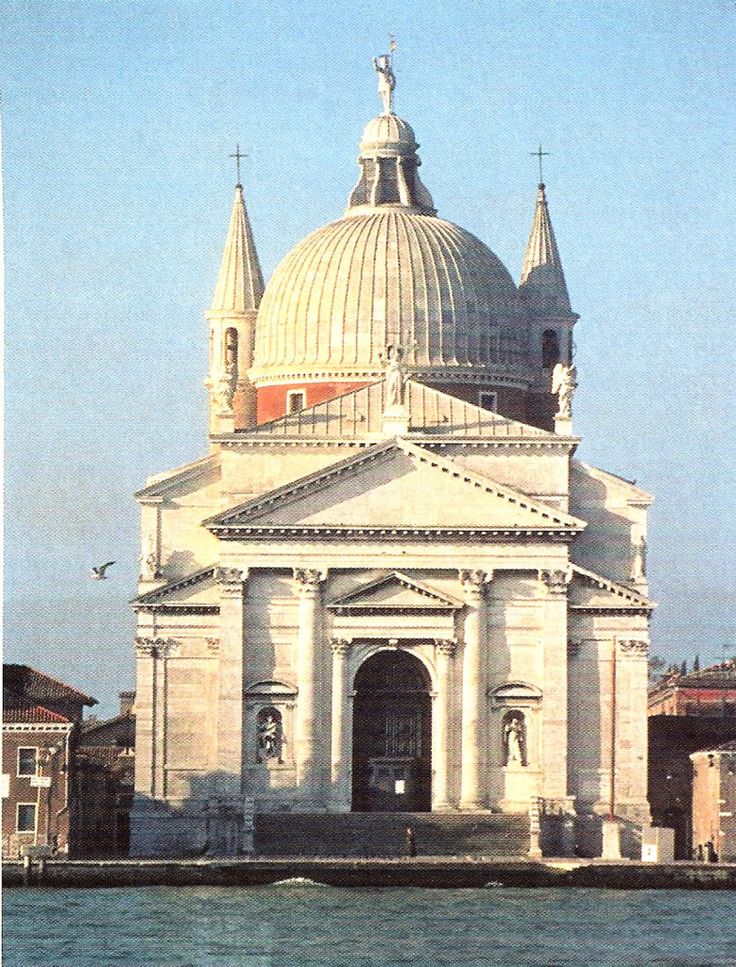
307,580
446,646
556,580
637,647
230,577
340,647
474,583
155,647
145,647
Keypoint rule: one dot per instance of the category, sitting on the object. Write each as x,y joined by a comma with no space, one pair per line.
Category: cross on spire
539,154
238,155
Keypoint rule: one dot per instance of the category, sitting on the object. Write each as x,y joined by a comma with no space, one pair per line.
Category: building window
26,817
489,401
231,347
296,400
550,349
27,761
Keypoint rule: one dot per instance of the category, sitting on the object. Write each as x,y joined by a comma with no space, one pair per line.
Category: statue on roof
386,81
396,375
564,384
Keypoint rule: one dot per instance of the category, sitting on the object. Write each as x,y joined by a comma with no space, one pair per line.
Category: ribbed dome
386,132
381,276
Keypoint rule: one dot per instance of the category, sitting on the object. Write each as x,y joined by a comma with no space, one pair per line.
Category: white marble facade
393,518
419,543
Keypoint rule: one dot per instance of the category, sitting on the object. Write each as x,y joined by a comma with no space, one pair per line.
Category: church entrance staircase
384,834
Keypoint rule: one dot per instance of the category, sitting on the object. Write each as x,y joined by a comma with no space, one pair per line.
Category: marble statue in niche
514,739
270,735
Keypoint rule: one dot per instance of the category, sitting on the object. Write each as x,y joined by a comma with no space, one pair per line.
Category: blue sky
117,122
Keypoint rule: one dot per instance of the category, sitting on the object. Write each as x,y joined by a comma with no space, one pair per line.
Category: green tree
657,669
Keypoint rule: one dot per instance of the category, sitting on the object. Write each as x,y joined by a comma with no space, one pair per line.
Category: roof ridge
88,700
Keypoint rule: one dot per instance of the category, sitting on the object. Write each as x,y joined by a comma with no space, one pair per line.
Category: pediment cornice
161,486
246,520
367,597
171,596
623,597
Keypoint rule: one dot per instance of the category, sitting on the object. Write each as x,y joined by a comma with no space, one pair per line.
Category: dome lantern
388,157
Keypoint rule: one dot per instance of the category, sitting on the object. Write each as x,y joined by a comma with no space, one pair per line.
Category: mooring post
26,870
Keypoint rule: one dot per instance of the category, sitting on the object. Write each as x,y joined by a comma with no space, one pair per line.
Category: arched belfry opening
392,735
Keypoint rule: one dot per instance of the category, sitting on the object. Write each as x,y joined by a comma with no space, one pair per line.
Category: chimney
127,702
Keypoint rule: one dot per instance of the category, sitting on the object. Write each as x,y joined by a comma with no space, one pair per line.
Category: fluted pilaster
475,660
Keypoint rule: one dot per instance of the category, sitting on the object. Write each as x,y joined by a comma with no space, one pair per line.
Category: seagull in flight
98,573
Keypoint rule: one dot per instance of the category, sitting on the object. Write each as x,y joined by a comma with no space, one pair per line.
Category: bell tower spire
542,277
543,290
232,319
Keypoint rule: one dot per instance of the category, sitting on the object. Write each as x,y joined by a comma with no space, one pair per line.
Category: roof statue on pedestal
386,81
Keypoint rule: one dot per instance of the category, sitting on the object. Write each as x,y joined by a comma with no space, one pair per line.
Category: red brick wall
272,399
536,409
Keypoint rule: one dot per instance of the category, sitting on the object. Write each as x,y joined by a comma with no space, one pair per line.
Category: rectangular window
296,400
27,761
26,817
489,401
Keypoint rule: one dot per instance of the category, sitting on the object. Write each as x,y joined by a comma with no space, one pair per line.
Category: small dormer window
296,400
488,400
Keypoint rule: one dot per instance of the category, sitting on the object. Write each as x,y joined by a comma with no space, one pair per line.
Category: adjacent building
104,765
687,713
41,720
707,692
714,802
390,585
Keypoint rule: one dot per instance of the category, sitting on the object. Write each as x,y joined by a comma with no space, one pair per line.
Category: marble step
384,834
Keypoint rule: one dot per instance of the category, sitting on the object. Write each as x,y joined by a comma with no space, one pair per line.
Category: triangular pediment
394,592
593,592
198,590
394,487
180,480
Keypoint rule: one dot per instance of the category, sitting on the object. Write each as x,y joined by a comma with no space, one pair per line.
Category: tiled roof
715,676
30,683
359,413
16,708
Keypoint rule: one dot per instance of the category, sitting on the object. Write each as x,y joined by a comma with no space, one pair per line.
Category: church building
389,586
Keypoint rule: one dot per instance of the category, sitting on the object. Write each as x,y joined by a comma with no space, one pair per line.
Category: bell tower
543,290
232,321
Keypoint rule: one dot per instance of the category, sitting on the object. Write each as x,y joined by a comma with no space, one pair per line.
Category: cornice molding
634,599
227,525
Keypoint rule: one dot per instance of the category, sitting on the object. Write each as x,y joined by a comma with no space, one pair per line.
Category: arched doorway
392,735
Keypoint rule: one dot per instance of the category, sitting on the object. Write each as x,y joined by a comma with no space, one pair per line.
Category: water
303,925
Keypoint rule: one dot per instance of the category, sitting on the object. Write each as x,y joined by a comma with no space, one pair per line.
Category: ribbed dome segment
387,275
388,131
542,284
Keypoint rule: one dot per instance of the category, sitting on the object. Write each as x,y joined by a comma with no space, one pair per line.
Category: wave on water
492,885
298,881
